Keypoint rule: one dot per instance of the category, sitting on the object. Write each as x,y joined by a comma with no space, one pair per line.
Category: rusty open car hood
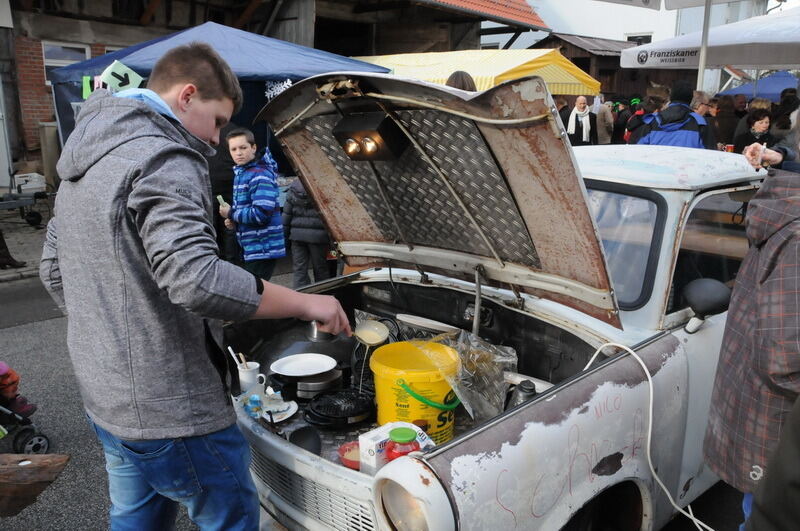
487,182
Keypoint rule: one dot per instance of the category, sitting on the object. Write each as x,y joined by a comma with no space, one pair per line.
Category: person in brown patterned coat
758,376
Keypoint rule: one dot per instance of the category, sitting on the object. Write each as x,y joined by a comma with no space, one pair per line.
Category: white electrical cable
690,515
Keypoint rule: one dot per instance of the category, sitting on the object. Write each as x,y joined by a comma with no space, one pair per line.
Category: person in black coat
757,131
582,124
220,171
621,122
309,239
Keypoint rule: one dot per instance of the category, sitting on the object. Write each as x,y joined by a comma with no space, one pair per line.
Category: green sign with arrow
119,77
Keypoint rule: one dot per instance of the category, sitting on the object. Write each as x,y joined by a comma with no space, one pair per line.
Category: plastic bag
478,382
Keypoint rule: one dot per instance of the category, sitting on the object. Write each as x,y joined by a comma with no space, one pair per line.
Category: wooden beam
247,14
512,40
149,11
498,31
363,7
264,30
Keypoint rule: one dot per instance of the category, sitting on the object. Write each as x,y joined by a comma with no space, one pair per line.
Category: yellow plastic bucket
410,386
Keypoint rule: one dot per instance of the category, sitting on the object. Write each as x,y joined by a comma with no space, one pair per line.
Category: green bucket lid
402,435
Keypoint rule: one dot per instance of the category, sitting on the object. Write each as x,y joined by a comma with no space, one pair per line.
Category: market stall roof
768,42
513,12
252,57
594,45
769,87
491,67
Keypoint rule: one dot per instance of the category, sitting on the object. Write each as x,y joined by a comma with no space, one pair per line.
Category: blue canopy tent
769,87
254,58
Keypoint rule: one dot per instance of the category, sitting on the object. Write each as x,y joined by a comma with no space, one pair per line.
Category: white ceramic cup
249,376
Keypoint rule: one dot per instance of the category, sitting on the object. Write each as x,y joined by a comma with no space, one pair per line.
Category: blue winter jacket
256,211
677,125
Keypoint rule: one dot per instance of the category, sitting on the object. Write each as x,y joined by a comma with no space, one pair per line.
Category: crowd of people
681,116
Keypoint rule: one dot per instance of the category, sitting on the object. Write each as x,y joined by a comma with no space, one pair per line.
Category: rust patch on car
609,465
556,408
425,481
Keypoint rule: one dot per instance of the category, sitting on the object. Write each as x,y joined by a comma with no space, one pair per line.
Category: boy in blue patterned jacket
255,213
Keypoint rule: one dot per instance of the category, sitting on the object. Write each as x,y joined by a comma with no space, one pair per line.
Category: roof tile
514,12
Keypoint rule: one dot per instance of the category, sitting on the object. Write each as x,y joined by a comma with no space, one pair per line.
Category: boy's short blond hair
199,64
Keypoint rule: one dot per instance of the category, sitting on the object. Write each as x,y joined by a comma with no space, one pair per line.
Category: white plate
303,364
283,415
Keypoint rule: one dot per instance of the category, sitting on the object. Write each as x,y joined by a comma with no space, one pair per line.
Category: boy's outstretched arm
278,302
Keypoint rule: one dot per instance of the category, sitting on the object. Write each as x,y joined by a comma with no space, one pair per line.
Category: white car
454,198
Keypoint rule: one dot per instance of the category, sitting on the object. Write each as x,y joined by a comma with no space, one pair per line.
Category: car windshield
626,224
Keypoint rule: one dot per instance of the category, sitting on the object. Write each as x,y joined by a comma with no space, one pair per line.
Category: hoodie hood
97,133
674,117
776,205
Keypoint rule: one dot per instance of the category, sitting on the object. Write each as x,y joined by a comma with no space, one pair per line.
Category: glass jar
402,441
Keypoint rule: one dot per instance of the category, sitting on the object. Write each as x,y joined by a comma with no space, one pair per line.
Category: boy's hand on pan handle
327,311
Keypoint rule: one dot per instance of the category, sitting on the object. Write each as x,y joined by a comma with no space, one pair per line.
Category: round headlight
351,146
403,510
370,146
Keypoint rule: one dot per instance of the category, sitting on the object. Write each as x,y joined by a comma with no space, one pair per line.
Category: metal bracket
519,302
423,275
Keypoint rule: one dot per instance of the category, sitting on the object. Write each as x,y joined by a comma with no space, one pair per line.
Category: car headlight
408,496
403,511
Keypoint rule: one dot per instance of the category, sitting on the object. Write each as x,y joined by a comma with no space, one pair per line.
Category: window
58,54
713,243
628,226
640,39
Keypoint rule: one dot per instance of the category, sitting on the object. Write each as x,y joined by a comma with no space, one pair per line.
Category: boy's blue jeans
208,474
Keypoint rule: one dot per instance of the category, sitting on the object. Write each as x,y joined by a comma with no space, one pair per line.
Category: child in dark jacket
306,232
255,212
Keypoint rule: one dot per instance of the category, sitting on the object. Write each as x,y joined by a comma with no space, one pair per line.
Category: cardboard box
372,445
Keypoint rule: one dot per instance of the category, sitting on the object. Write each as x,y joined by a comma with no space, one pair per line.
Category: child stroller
26,438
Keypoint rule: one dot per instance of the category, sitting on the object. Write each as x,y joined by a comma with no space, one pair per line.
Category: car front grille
332,508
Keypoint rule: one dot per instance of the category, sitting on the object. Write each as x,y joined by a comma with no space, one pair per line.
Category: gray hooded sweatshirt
132,247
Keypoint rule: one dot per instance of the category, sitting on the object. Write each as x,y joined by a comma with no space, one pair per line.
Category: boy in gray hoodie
131,253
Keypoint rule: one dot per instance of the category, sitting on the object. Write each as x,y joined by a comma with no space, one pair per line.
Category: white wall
594,19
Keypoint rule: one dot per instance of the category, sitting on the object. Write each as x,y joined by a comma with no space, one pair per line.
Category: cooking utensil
349,455
371,332
235,359
339,409
303,365
307,438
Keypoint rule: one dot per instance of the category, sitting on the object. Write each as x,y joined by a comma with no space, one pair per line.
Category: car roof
664,167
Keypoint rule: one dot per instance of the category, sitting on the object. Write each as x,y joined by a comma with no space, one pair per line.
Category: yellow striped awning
491,67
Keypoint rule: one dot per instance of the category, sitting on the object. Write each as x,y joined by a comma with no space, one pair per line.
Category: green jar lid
402,435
